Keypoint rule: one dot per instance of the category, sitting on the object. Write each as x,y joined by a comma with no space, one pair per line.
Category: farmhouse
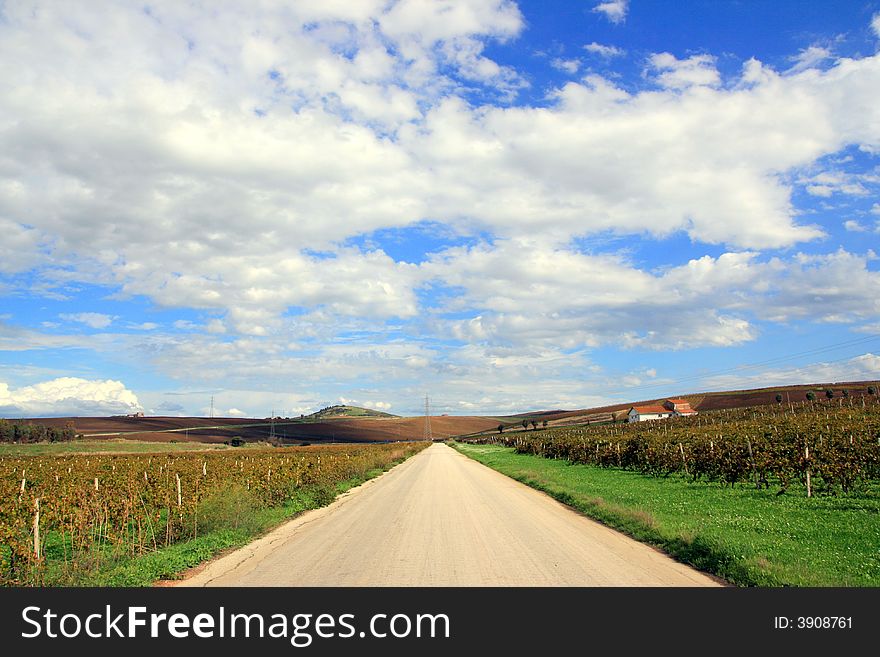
679,407
648,412
669,408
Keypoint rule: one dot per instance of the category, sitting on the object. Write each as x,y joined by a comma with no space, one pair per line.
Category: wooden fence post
37,528
752,461
809,485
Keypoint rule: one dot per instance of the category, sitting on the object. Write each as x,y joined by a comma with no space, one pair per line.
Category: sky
506,206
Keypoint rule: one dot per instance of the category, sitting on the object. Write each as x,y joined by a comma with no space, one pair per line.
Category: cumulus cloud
827,183
568,65
614,10
865,367
375,405
529,294
603,50
809,58
20,246
238,163
674,73
68,396
875,24
854,226
168,408
92,320
377,138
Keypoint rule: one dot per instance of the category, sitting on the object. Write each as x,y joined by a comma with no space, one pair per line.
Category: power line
428,434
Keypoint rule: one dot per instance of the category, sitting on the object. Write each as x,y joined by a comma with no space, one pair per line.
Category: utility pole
428,435
212,406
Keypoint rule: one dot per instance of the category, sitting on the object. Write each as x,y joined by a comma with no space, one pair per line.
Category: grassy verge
170,562
748,537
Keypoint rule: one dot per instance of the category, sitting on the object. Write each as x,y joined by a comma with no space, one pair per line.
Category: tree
844,392
544,424
500,428
534,425
525,424
811,396
778,398
872,390
829,393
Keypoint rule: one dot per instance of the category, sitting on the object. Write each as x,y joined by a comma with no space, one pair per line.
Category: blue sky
507,206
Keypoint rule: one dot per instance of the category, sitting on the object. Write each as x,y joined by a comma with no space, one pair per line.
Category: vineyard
828,447
55,509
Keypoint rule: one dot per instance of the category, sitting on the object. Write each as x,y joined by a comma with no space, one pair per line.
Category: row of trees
525,425
22,432
829,394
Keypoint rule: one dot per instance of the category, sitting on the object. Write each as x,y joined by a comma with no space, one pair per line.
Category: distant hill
342,423
341,410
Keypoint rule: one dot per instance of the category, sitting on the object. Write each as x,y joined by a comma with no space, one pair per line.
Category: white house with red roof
648,412
669,408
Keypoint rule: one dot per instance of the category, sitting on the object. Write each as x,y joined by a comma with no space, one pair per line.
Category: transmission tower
212,405
428,435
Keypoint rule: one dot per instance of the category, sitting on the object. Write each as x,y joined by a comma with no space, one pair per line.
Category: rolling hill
354,424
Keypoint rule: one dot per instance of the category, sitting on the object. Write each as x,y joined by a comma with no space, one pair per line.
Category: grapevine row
138,503
829,446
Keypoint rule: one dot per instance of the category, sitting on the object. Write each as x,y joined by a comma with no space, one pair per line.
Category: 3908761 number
824,622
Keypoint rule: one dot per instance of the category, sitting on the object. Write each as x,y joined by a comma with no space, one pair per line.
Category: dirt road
441,519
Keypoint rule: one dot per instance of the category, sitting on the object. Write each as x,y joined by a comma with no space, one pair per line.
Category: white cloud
375,405
530,294
378,139
854,226
250,145
865,367
614,10
567,65
145,326
674,73
20,246
92,320
234,412
67,396
603,50
827,183
809,58
875,24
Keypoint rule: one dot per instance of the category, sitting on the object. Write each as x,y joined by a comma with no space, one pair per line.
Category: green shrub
234,507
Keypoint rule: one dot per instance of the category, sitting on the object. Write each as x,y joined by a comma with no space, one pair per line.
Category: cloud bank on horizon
289,204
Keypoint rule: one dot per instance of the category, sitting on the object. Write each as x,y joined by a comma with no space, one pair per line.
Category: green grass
102,568
747,536
100,446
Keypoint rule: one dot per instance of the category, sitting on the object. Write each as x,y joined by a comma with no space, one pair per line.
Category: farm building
648,412
679,407
669,408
